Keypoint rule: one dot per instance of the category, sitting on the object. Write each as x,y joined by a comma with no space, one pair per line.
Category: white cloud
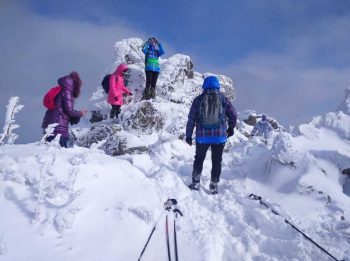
306,79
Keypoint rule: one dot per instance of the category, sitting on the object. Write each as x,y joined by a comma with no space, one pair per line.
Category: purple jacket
64,108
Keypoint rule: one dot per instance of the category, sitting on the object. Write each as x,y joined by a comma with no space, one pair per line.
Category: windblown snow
83,204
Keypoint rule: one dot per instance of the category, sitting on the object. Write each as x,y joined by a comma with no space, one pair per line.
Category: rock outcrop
344,106
178,84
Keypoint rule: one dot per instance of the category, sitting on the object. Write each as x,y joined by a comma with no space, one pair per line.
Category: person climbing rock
211,112
152,68
59,102
117,89
262,128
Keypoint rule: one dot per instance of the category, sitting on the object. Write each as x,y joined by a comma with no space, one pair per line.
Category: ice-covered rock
128,51
284,150
178,84
143,118
112,139
98,134
344,106
250,117
337,121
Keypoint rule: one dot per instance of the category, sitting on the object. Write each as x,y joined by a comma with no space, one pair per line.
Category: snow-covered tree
49,131
7,136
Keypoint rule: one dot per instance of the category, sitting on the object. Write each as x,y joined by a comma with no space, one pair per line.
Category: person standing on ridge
117,89
262,128
210,113
59,102
152,68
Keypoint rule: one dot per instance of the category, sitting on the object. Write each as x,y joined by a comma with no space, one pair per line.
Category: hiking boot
146,94
146,97
213,188
194,186
153,93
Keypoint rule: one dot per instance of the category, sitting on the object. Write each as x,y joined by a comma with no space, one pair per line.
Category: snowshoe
213,188
194,186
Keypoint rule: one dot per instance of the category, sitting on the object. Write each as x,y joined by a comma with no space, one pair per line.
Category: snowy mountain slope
93,202
102,200
81,204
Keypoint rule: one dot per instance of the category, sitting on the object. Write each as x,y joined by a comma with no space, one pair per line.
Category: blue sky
287,58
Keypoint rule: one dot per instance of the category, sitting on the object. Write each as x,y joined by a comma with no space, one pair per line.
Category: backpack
49,98
211,110
105,83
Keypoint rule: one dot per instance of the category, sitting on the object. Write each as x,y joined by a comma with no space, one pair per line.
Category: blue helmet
211,82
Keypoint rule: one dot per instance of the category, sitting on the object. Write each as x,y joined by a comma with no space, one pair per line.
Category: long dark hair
77,83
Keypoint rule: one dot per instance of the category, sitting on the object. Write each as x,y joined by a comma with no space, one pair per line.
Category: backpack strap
223,102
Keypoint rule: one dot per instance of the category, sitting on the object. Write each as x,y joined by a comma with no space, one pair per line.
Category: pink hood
121,68
117,87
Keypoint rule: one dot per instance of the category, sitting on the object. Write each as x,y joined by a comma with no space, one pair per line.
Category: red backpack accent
49,98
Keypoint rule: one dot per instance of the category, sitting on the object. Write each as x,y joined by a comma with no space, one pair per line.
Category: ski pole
167,236
255,197
176,212
170,205
175,243
149,238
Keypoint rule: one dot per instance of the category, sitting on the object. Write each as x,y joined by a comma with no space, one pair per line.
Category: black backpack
211,110
105,83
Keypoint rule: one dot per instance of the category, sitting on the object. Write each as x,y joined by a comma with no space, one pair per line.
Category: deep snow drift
81,204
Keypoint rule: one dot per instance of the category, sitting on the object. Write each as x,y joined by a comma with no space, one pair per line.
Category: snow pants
63,140
115,111
216,158
151,82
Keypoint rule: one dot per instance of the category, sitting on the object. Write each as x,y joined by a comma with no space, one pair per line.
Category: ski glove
230,132
189,141
116,98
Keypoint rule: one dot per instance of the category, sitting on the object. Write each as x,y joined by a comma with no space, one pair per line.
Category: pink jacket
117,87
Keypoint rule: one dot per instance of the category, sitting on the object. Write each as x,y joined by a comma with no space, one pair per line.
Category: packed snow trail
261,156
91,203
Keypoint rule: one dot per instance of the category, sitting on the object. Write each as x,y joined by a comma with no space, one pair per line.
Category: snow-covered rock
284,150
112,139
250,117
344,106
178,84
337,121
143,118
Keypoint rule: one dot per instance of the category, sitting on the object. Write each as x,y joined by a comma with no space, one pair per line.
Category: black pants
216,158
151,82
63,140
115,111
